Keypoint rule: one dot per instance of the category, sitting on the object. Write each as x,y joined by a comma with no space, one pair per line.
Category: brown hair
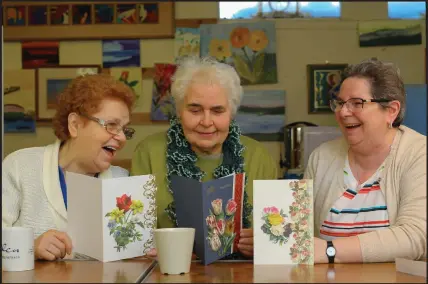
385,82
84,95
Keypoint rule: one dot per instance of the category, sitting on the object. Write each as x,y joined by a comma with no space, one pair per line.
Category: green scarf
181,159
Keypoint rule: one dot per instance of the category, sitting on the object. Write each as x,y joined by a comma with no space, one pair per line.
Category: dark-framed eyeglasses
112,127
354,104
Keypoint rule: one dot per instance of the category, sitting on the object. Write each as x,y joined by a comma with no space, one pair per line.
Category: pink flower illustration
211,222
221,225
271,210
217,206
231,207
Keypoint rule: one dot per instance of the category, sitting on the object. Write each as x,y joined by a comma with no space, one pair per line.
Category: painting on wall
384,33
59,14
37,54
261,114
162,108
126,14
323,83
104,13
149,13
121,53
81,14
51,82
249,47
38,15
131,77
19,101
15,16
187,43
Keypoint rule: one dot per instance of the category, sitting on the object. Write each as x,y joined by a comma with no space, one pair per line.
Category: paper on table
408,266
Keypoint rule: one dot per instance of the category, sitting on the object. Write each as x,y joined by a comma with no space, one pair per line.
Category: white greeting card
283,222
111,219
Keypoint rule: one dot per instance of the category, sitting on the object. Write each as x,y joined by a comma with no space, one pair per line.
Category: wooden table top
222,272
75,271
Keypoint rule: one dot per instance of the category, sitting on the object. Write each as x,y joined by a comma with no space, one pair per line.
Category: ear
393,110
74,122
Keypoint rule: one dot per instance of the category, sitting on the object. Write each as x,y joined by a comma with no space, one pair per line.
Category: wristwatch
330,252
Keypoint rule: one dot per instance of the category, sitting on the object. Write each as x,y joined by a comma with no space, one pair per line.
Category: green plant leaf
242,68
258,67
133,83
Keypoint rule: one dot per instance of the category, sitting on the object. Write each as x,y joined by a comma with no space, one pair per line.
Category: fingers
246,241
51,248
65,239
52,245
242,247
246,233
59,248
152,253
44,254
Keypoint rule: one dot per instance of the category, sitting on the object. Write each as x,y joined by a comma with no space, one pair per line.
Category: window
406,10
248,10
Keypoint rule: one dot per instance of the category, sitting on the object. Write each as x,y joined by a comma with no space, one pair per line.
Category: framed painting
323,83
50,83
58,20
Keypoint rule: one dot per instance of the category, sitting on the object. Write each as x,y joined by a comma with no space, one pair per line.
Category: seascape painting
261,114
37,54
121,53
249,47
384,33
187,43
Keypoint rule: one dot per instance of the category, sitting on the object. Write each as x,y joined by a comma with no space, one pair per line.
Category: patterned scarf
181,159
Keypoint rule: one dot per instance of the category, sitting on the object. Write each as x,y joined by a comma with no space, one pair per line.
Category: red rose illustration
124,202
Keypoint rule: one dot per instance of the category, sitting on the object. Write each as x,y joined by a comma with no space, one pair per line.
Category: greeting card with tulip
111,219
249,47
283,222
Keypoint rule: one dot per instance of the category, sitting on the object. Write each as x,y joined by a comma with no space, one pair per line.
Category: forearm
348,250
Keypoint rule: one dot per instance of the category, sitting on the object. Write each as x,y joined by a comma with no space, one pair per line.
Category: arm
11,193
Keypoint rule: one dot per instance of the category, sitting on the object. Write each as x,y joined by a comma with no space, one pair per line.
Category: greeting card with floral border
214,209
111,218
283,222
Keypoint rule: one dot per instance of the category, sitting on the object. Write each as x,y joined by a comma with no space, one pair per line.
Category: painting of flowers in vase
249,47
162,103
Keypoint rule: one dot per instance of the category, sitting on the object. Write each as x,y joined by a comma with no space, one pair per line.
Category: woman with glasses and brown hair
91,126
370,185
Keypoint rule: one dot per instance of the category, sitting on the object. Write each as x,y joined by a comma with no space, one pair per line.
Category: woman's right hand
52,245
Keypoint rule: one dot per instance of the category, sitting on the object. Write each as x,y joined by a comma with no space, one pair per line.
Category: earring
390,125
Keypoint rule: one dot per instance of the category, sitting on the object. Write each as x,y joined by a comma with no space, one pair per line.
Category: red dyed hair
84,95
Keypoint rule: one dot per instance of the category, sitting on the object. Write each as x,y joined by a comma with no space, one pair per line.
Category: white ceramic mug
174,249
17,249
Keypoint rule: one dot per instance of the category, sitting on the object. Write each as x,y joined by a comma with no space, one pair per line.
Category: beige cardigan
403,183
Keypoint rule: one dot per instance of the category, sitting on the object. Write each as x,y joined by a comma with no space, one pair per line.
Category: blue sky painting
121,53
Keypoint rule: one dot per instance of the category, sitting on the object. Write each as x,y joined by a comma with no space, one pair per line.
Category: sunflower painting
249,47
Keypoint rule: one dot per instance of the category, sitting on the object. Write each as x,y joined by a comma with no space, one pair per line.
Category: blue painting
121,53
416,108
54,88
261,114
249,47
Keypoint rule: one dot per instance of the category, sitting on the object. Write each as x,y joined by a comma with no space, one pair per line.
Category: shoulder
252,146
153,142
412,144
118,172
331,148
26,155
255,152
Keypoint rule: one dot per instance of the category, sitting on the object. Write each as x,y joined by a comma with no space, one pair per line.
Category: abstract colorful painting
149,13
54,88
187,42
81,14
384,33
121,53
104,13
126,14
40,54
15,16
132,77
38,15
249,47
162,102
19,101
323,83
261,114
60,14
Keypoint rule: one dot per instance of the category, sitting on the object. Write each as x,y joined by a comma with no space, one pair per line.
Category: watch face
331,251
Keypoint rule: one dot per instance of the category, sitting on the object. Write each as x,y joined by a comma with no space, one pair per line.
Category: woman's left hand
246,241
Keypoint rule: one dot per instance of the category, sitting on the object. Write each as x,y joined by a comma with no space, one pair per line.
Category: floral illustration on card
221,226
276,225
300,211
149,216
123,221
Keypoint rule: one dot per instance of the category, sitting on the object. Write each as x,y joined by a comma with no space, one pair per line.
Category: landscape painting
187,43
19,100
261,115
249,47
384,33
37,54
121,53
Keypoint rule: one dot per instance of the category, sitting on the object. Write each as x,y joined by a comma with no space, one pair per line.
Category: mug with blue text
17,249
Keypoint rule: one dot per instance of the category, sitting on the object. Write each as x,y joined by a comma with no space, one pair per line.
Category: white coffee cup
17,249
174,249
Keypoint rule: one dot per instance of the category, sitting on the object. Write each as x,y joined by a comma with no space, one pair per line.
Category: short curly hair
84,95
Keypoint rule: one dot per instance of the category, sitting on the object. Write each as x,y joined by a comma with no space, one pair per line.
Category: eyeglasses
112,127
354,104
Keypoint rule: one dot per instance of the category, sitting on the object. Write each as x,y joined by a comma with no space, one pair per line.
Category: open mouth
110,150
352,125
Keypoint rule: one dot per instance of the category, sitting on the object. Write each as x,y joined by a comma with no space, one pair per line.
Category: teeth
110,148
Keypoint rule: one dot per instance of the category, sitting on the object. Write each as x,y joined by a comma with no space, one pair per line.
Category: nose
120,136
206,120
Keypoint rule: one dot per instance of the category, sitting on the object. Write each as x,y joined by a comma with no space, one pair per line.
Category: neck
68,160
216,150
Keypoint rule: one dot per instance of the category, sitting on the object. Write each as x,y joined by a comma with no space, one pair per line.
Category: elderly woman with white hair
203,141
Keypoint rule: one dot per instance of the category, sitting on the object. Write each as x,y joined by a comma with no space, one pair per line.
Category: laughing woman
370,186
204,142
90,124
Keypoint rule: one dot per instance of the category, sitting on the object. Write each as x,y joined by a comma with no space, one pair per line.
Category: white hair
193,69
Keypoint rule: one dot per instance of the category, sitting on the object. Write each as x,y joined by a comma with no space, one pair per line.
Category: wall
299,42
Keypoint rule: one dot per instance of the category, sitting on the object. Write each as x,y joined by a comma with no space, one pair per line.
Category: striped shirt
360,209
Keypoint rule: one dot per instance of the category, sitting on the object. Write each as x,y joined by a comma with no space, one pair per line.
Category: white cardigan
31,190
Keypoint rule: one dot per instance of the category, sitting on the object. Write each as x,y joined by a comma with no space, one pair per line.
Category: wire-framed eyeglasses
112,127
354,104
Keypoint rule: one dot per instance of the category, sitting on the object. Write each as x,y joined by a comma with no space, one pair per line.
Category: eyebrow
212,108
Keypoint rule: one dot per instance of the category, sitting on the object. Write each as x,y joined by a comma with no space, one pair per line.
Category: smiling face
97,147
205,116
369,125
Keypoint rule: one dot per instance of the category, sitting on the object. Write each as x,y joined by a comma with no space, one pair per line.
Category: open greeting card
283,222
214,209
111,219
